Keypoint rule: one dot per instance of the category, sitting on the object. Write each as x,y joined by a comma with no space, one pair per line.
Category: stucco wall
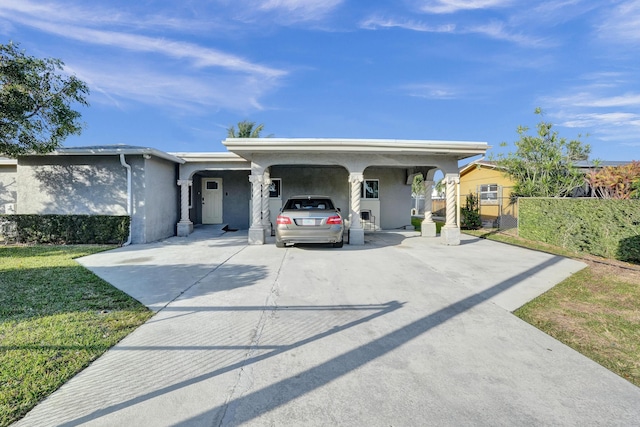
395,195
97,185
8,186
71,185
390,210
161,199
322,180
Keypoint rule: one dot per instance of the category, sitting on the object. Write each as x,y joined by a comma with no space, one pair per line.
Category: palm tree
441,186
246,129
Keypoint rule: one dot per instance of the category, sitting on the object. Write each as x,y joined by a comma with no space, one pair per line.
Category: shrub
65,229
607,228
470,214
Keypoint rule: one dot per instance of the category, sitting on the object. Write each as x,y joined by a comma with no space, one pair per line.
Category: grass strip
56,317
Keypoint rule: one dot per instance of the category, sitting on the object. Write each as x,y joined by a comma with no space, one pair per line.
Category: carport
350,159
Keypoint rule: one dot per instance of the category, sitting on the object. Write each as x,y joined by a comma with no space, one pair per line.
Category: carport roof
247,147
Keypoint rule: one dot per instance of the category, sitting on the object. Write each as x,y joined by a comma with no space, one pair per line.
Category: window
489,193
369,189
212,185
275,188
309,203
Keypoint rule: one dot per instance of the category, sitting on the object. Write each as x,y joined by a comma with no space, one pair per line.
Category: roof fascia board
110,151
197,157
476,163
247,147
5,161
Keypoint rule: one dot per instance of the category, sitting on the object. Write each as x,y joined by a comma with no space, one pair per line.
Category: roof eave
210,156
248,147
110,151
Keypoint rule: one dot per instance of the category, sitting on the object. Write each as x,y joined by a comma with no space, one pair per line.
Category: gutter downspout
129,197
458,203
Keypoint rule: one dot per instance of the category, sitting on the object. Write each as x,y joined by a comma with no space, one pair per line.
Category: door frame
205,200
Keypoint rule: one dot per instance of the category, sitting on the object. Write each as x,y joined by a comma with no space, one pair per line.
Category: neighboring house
484,179
493,188
167,193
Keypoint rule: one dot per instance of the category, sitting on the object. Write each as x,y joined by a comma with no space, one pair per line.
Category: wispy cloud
182,93
591,99
621,24
495,30
431,91
300,10
165,71
601,107
266,15
500,31
374,23
200,56
600,119
97,15
453,6
554,12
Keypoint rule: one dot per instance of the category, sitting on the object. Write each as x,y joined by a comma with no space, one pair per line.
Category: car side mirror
338,209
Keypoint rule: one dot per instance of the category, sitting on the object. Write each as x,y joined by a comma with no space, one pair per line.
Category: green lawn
595,311
55,318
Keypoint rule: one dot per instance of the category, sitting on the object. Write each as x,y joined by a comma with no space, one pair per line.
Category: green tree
35,99
246,129
417,186
543,164
418,189
441,186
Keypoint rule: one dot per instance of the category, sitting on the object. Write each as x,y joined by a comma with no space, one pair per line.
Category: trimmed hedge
65,229
604,227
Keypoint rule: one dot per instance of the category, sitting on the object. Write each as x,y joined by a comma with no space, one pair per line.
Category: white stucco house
165,194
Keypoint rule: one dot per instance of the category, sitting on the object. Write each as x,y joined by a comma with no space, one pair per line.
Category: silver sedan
309,219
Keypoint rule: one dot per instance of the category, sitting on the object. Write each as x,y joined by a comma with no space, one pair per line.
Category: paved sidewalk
401,331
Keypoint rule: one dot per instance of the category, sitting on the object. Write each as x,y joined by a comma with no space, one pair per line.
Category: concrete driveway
402,331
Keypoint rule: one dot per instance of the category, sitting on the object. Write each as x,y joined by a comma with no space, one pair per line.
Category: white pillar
266,221
356,232
428,227
256,231
450,233
185,226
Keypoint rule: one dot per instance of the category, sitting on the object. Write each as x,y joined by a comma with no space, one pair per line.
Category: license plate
308,222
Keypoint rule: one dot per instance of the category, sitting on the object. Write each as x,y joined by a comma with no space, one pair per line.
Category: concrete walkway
402,331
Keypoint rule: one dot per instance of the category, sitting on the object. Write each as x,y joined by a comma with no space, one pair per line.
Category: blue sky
174,75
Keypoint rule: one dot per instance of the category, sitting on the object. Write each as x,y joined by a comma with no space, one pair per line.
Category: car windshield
320,204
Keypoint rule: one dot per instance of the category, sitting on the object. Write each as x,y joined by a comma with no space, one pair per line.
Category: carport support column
428,227
185,226
266,220
356,232
256,231
450,233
